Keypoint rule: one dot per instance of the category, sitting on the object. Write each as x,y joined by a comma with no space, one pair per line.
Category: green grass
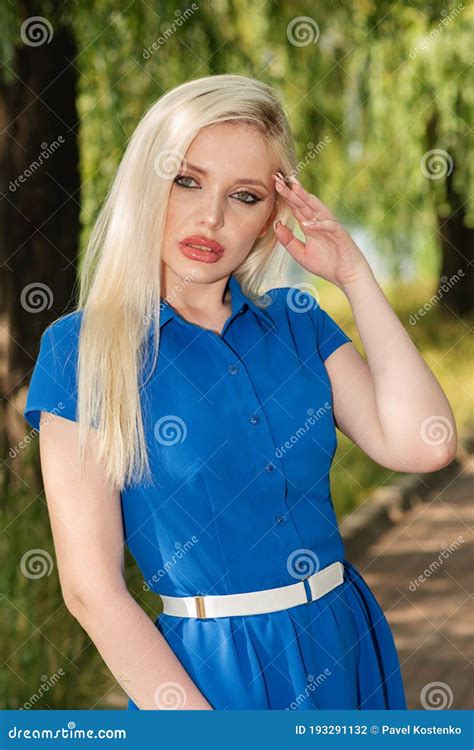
48,660
40,637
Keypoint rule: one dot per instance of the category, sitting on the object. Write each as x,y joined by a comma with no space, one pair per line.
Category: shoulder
62,335
289,296
299,313
290,303
67,326
53,383
59,344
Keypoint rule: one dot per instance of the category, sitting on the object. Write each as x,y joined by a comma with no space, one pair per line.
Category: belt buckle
200,608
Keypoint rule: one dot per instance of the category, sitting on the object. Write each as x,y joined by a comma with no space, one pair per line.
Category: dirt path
421,572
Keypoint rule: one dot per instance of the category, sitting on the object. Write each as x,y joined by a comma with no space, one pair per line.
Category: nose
212,212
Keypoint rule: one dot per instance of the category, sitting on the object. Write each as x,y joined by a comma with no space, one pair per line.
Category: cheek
178,209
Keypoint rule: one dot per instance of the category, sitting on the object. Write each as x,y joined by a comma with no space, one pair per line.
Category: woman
211,460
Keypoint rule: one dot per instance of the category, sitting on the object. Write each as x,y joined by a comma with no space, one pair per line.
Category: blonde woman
192,417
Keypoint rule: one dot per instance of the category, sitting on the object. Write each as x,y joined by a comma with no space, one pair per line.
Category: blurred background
380,100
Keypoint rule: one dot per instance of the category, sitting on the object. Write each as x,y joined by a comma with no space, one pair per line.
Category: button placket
267,470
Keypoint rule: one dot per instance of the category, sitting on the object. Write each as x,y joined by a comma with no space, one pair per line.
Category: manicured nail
277,221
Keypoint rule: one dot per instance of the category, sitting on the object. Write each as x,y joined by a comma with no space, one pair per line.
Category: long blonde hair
119,279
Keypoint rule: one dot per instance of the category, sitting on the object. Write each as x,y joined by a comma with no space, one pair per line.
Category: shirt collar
238,302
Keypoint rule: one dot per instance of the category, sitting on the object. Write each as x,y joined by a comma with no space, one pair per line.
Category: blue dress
241,435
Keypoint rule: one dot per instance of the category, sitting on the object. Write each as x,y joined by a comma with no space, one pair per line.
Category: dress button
281,519
270,467
254,419
232,369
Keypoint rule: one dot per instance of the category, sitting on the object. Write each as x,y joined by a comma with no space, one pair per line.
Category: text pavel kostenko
374,729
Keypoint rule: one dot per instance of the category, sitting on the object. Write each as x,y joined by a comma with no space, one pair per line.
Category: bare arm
87,529
392,406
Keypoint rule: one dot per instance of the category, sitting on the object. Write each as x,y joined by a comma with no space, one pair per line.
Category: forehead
228,148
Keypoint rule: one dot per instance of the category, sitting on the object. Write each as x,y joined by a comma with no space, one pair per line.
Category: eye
253,198
183,177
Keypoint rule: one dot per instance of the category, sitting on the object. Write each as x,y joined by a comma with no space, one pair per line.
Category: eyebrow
248,180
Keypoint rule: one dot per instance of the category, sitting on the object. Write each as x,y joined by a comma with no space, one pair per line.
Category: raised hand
329,250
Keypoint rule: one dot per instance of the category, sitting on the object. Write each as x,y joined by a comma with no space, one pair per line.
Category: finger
292,199
289,241
301,218
299,215
311,201
326,225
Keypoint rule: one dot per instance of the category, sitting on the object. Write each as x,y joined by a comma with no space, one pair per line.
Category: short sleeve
330,334
313,331
53,384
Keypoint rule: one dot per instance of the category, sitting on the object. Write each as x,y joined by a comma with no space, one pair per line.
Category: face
224,193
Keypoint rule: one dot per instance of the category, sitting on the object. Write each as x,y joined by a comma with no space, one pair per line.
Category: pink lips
197,239
211,254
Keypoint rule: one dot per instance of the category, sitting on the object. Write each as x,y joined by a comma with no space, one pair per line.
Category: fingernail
277,221
293,179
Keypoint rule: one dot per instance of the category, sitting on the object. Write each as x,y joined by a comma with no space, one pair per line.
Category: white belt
256,602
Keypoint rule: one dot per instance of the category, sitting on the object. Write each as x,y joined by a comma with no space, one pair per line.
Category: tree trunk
39,213
456,240
457,245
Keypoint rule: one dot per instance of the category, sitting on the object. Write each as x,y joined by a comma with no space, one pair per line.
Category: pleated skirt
336,652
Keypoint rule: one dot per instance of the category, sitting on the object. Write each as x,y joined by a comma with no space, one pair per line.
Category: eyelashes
255,198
